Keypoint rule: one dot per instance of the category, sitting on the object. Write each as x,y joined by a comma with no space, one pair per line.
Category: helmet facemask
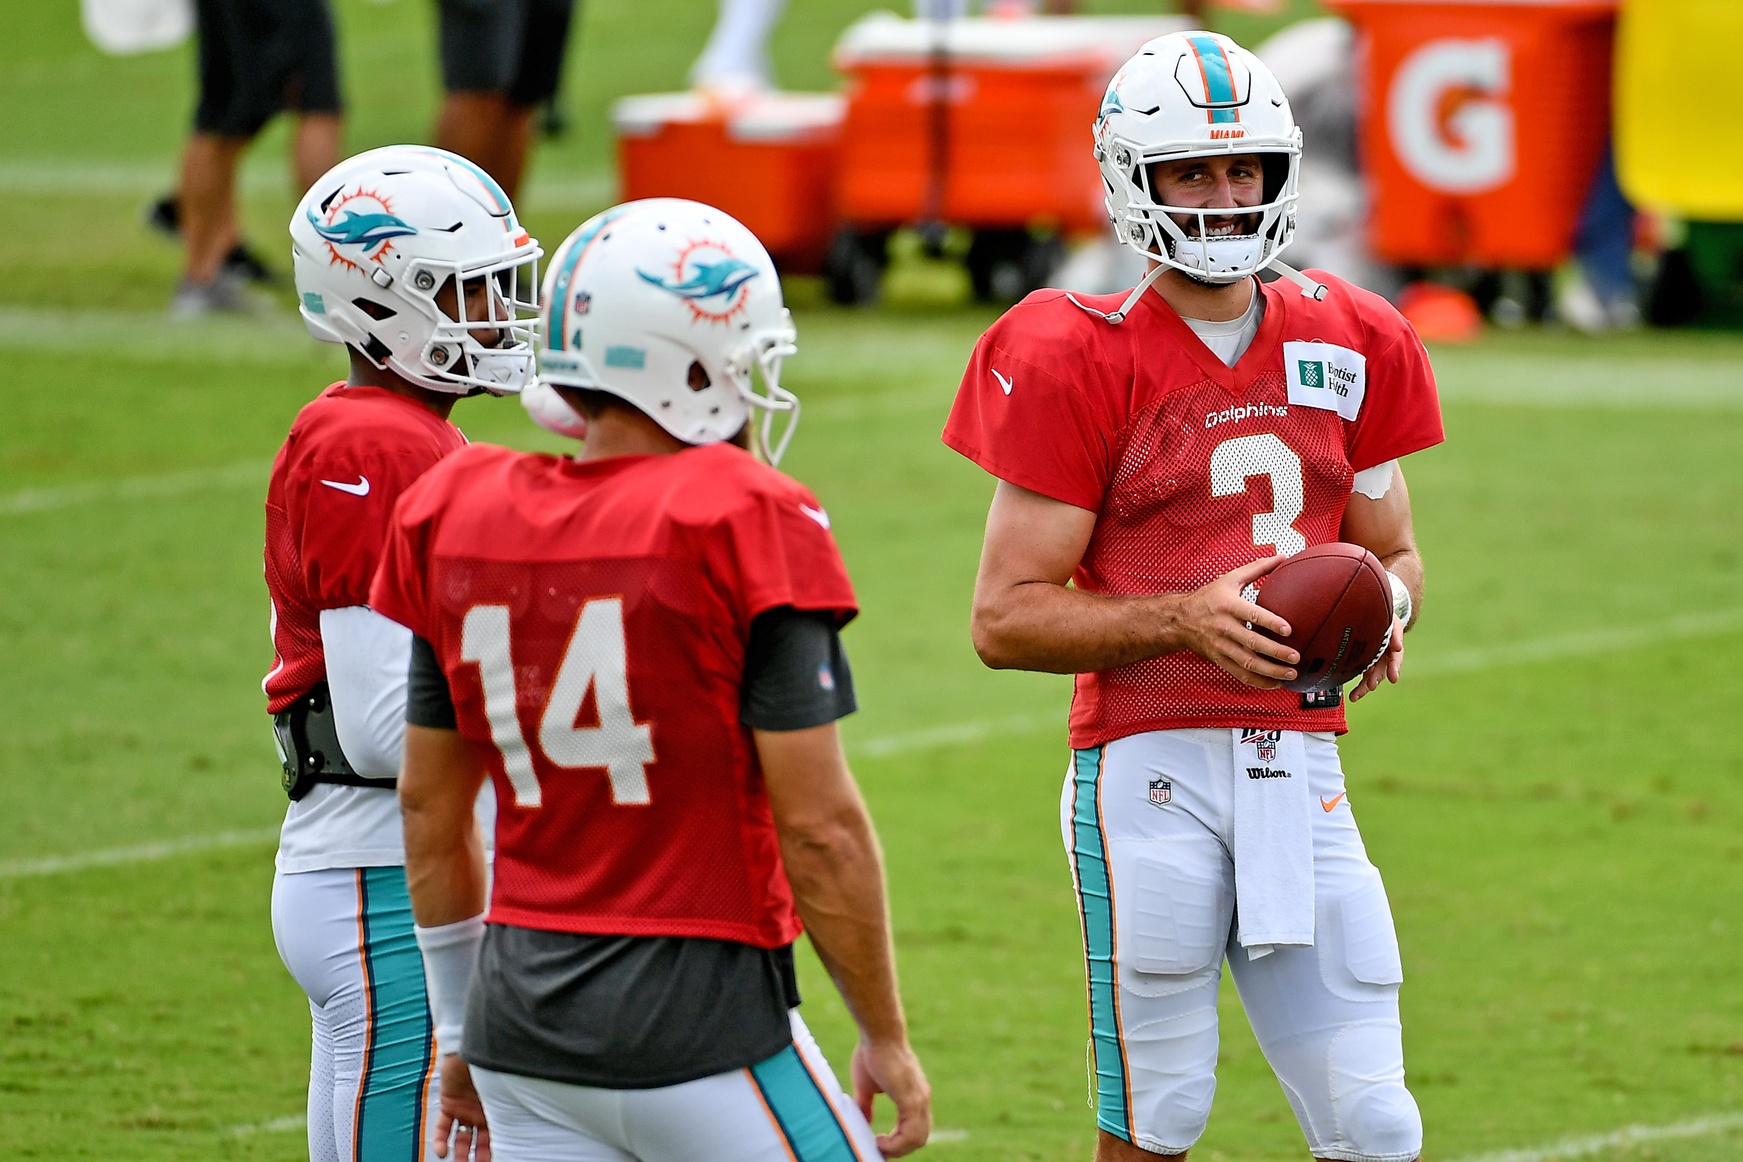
762,356
500,295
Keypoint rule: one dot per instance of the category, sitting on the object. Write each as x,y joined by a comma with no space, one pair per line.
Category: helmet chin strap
1119,316
1309,289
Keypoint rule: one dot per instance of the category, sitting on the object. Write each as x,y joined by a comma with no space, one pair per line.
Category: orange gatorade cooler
1483,122
990,119
768,160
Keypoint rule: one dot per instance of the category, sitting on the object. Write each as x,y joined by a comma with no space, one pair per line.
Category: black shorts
504,46
259,58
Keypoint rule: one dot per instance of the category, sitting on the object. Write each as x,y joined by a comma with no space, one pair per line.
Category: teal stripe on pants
806,1118
1095,895
397,1064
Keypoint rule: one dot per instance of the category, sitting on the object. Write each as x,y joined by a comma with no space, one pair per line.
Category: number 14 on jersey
595,658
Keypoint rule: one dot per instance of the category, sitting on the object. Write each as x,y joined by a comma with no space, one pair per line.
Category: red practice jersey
592,619
349,455
1193,468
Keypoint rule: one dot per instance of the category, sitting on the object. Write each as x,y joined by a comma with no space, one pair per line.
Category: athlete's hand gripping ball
1221,626
1389,668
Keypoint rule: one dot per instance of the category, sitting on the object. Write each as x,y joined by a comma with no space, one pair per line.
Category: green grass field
1555,794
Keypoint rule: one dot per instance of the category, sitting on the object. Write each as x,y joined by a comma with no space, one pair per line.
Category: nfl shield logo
1264,742
1161,792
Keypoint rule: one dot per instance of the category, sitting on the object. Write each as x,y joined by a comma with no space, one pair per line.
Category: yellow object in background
1679,130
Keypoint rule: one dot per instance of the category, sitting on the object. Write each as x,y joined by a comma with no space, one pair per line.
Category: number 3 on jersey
596,658
1263,455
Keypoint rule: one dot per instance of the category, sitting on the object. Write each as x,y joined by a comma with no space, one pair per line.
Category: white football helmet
675,307
1196,94
379,237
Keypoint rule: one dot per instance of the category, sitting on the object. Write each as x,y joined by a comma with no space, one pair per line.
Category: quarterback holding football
1158,453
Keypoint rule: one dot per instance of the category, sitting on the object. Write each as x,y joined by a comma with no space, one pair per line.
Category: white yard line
282,1125
29,500
1627,1136
150,179
1554,648
1588,643
1574,645
143,853
954,734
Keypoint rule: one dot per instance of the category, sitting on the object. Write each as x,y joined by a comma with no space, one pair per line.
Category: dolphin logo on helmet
365,230
710,280
655,284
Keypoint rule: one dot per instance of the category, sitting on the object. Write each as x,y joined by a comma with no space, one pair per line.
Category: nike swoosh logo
1331,804
816,514
361,488
1004,382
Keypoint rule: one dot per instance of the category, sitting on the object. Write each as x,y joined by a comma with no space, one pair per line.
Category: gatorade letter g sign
1449,117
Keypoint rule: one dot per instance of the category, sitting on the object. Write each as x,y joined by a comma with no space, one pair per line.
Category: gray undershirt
1229,340
639,1012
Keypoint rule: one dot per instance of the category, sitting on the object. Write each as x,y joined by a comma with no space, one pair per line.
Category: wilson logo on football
710,280
364,220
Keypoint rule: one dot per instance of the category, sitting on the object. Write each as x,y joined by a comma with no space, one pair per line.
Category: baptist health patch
1326,376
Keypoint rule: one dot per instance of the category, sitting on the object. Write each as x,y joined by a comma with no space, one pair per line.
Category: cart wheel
1005,265
854,266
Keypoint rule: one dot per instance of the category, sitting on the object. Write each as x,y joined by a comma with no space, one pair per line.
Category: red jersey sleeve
346,502
1040,403
1401,412
777,550
399,590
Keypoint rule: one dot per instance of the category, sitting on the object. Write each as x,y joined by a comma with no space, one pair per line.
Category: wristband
1401,604
450,954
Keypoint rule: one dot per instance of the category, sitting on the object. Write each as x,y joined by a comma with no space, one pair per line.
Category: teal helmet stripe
503,205
496,191
576,247
1219,81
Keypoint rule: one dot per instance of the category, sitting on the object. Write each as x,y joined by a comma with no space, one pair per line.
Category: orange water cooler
768,160
984,123
1483,122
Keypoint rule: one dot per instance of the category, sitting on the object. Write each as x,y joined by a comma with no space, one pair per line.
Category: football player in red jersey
1157,453
412,259
639,647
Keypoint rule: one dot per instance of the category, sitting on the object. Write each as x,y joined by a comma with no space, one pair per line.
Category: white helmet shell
675,307
376,240
1197,94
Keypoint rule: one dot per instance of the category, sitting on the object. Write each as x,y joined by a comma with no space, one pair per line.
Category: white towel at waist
1273,840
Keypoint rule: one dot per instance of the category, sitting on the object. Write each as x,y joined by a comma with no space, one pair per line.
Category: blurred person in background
257,58
501,60
735,62
1597,291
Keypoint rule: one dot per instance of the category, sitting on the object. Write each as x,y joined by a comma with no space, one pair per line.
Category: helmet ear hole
698,377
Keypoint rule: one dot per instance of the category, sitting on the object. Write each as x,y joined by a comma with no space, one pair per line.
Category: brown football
1337,600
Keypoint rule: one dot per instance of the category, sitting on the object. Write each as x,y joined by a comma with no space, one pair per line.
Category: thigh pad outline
1363,958
1175,911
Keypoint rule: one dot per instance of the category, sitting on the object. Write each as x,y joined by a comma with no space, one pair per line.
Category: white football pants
1156,892
345,934
789,1108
